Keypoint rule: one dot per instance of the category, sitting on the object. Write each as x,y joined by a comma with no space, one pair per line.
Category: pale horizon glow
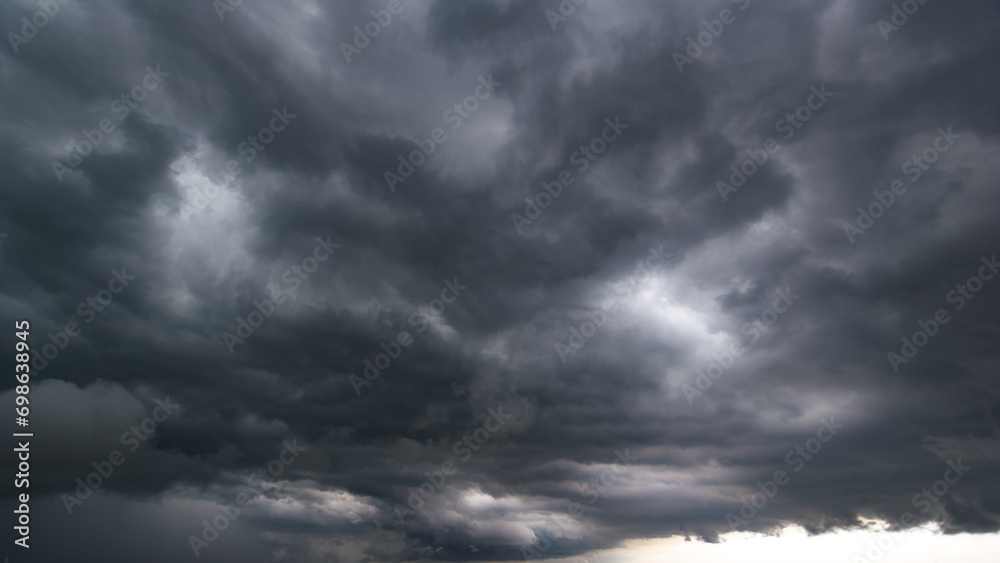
921,545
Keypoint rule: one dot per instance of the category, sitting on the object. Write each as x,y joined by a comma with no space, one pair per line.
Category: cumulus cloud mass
488,280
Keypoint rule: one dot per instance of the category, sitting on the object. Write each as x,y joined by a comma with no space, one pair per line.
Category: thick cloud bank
481,280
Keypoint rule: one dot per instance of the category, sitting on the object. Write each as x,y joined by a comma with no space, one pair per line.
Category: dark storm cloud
129,203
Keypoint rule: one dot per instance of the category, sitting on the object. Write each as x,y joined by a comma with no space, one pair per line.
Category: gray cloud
126,205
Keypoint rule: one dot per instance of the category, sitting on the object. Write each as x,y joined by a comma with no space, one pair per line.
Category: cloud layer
663,243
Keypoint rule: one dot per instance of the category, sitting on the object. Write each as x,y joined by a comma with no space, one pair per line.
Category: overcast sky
488,280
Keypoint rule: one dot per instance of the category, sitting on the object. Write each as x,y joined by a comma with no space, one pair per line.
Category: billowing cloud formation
480,280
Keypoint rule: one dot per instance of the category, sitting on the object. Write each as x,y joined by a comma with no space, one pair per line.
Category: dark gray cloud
145,198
